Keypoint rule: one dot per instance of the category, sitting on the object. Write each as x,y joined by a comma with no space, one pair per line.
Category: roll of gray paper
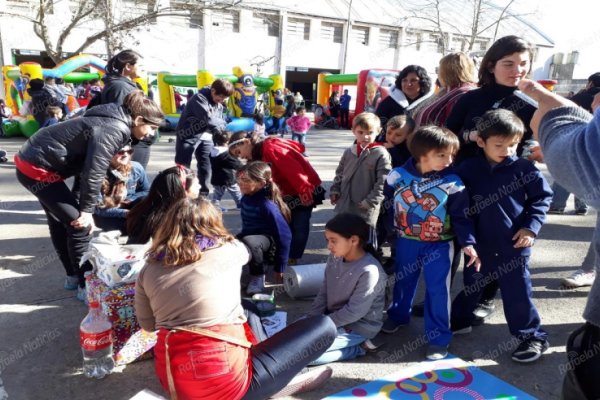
303,280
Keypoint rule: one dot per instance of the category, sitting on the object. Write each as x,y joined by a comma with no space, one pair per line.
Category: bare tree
105,20
445,19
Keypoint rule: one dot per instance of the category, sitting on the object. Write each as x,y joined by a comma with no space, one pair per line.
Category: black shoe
478,321
581,211
530,350
418,310
484,308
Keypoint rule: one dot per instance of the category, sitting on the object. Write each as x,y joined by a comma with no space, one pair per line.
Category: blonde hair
175,241
259,171
367,120
456,69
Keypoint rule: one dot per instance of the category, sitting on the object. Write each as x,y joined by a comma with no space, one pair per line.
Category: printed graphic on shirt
420,204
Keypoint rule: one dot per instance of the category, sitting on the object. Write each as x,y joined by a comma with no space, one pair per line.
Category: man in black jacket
202,116
41,99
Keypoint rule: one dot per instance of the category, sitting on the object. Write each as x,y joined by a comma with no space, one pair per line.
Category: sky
572,24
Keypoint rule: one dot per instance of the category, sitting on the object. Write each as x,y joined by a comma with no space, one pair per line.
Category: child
352,294
259,126
299,124
429,204
55,114
224,166
360,175
397,131
265,219
506,230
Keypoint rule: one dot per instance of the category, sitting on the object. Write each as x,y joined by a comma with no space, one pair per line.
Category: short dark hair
222,87
36,84
300,108
502,47
500,122
424,79
399,121
594,79
221,138
138,105
431,137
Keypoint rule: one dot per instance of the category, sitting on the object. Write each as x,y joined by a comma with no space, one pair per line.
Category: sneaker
418,310
579,278
305,382
484,308
256,284
530,350
82,294
436,352
71,282
390,326
478,321
369,346
556,211
581,211
462,331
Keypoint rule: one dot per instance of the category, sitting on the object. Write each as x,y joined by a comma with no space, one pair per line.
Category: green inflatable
29,127
11,129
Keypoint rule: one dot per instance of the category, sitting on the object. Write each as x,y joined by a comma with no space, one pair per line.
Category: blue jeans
299,137
346,346
300,229
233,190
559,199
185,148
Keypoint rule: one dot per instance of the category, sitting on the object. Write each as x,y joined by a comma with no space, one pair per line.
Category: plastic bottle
95,337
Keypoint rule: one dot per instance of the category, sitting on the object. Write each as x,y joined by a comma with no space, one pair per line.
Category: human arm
456,119
319,304
382,168
143,310
281,233
460,215
336,187
539,196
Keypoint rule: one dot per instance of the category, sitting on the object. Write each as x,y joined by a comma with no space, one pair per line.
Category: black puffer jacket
116,88
81,147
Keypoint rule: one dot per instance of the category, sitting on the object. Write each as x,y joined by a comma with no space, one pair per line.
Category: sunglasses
123,152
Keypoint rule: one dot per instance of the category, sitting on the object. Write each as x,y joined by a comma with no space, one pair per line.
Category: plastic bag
115,263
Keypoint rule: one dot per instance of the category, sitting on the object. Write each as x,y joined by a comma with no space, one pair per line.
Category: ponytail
260,171
117,63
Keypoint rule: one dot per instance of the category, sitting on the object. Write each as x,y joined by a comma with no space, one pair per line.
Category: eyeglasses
123,152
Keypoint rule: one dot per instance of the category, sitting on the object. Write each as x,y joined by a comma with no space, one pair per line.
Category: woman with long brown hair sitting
190,291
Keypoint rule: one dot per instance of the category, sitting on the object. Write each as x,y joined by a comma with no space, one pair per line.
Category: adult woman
411,87
121,72
168,187
334,104
81,147
456,74
190,291
125,184
503,66
299,182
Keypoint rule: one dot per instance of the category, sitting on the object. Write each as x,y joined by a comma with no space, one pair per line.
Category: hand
334,197
278,278
363,205
85,221
388,145
473,257
596,102
536,154
523,238
473,135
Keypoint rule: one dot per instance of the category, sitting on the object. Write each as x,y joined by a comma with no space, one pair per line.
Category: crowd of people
414,178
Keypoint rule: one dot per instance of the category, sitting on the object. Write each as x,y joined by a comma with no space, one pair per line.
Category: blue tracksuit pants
512,274
434,258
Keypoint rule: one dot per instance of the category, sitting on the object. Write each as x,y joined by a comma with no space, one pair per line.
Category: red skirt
204,367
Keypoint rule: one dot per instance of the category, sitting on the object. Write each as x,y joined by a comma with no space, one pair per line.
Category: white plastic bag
115,263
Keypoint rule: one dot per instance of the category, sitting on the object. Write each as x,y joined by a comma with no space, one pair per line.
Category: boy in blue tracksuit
509,201
429,200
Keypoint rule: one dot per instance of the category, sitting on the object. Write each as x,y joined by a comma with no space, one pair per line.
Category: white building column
280,62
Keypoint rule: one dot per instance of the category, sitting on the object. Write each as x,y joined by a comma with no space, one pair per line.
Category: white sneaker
256,285
580,278
313,379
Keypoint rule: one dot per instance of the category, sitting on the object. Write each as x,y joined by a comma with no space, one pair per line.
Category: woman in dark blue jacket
83,148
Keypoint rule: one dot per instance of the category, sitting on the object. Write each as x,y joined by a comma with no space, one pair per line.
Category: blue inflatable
241,124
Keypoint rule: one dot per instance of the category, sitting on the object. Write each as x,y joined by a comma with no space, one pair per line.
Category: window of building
226,21
299,28
458,43
413,39
332,32
388,38
21,6
266,23
436,43
360,34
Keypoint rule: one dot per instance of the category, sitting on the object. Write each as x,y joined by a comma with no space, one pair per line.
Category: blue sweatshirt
429,207
138,187
261,216
570,141
504,198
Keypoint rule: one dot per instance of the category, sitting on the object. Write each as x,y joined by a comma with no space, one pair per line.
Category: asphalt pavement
40,357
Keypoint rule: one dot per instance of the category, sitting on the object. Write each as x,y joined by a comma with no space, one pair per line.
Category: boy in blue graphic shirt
509,201
429,209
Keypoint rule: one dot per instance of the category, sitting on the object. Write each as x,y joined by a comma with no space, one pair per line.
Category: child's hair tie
182,175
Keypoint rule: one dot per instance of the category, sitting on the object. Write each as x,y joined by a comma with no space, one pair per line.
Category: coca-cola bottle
95,337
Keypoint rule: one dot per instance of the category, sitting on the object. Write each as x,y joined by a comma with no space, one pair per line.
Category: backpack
583,353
